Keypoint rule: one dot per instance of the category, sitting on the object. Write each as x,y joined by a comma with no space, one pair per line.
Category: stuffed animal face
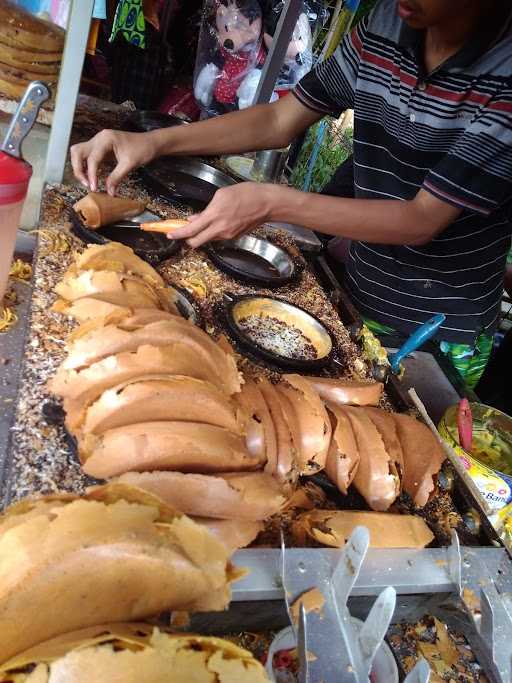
238,25
301,41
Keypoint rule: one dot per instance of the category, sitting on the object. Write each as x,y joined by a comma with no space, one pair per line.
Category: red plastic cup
15,176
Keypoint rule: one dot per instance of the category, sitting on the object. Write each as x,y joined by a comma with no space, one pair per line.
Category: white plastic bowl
384,668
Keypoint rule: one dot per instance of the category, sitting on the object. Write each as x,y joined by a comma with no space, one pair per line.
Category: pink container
14,178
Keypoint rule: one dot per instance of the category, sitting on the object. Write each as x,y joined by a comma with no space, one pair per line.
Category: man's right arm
267,126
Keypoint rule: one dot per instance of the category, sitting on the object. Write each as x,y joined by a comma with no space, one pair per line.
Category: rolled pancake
97,209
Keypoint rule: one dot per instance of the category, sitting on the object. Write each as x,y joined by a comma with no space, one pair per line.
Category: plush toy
298,60
235,51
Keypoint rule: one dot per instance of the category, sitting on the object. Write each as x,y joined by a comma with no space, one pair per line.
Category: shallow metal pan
254,260
285,346
144,121
153,247
186,180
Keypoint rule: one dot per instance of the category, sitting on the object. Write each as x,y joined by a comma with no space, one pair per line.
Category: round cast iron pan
303,319
150,246
255,261
144,121
184,179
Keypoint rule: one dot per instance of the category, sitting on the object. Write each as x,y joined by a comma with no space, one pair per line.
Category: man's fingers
77,162
203,237
92,170
197,225
113,180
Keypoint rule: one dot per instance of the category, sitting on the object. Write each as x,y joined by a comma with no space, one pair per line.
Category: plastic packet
299,57
230,55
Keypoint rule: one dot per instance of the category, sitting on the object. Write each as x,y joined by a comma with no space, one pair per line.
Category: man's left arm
476,176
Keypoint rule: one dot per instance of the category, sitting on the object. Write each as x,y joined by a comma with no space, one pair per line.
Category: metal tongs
331,646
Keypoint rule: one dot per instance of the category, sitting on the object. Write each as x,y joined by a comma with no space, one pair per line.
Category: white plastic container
384,668
14,178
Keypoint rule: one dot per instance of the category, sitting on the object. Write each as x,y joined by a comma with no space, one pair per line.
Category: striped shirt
448,132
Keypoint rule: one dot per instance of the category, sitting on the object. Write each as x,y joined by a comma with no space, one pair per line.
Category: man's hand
233,211
129,149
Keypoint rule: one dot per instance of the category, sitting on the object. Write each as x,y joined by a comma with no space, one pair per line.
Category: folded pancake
115,554
386,426
124,290
149,446
286,470
252,496
79,388
333,528
117,257
112,339
97,209
376,478
232,533
423,458
308,422
343,454
347,392
161,398
253,404
133,653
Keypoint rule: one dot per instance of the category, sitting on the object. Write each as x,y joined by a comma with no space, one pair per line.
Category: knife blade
144,217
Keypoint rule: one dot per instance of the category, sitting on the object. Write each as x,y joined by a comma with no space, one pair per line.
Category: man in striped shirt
431,87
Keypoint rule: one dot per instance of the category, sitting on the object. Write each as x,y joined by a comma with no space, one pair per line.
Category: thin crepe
252,496
308,422
112,339
133,653
343,455
423,458
333,528
151,559
376,478
97,209
179,446
342,392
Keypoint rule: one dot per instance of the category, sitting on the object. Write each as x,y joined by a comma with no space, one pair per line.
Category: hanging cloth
129,21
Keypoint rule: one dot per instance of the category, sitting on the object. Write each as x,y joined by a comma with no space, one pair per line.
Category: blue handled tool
417,339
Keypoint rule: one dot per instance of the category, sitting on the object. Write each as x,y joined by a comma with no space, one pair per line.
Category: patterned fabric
448,133
129,21
469,361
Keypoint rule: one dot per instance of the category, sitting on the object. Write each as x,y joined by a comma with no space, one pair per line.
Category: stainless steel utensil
268,165
144,217
24,117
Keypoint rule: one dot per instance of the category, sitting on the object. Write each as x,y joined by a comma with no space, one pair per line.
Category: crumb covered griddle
269,432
